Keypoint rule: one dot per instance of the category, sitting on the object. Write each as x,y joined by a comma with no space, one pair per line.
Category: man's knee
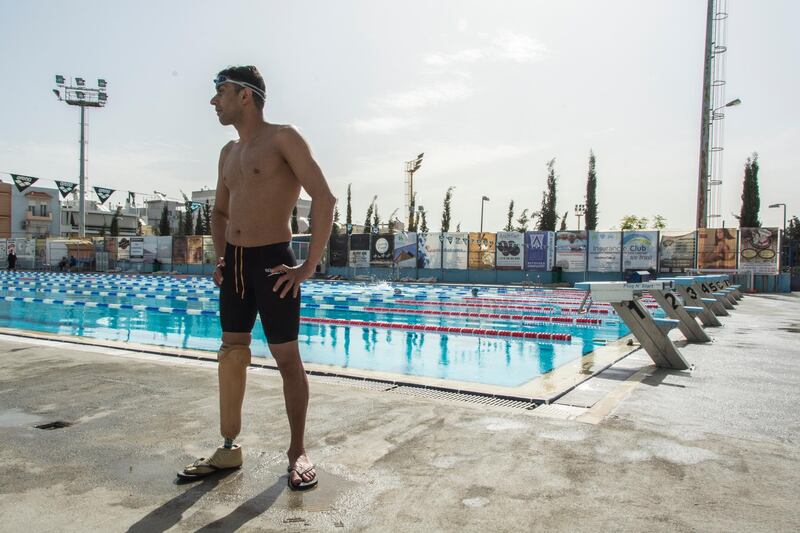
236,338
234,356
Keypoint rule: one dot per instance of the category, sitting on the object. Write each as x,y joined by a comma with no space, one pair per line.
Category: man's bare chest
245,168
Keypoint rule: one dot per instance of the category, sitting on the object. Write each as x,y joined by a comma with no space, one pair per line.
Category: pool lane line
310,320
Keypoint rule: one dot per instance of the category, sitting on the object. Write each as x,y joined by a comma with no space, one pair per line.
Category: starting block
688,288
649,331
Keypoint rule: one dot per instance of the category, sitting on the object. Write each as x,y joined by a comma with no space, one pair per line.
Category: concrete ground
715,449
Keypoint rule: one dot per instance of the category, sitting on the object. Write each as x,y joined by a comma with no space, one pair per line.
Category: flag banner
676,251
103,194
481,250
605,251
455,250
429,250
337,250
758,250
65,187
639,250
23,182
571,250
382,250
510,250
359,250
540,250
716,248
405,249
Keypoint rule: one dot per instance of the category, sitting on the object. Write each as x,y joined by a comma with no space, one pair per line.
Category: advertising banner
40,251
605,251
758,250
482,250
111,247
359,250
510,250
639,250
149,248
137,249
123,248
382,249
429,250
164,249
194,249
179,250
716,248
455,250
676,251
3,251
539,250
571,250
209,253
337,250
405,249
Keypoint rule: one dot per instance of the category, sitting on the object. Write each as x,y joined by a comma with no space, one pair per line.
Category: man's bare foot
302,474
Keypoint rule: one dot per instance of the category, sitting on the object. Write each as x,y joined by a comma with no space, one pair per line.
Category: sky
490,92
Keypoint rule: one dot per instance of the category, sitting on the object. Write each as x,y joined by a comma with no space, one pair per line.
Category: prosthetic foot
232,369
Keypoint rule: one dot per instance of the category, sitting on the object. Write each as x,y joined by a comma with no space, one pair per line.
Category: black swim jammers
247,289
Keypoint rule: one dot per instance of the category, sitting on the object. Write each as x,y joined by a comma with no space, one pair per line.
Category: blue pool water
181,313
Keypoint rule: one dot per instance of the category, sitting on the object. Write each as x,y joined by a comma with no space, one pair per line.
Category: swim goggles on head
219,80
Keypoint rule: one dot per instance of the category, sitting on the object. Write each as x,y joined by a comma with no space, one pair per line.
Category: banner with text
676,251
758,250
180,250
382,250
194,249
639,250
164,249
359,250
540,250
429,250
605,252
455,250
137,249
510,250
571,250
123,248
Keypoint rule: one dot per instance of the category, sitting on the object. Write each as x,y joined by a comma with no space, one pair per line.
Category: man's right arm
219,216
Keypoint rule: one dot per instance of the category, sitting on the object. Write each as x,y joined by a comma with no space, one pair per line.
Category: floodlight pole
83,97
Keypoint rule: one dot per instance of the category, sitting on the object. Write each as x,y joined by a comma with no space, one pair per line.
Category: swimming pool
503,336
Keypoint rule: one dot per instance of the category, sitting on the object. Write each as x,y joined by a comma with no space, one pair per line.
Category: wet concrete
715,449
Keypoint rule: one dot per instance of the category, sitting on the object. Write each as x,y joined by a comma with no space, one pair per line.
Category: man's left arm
298,155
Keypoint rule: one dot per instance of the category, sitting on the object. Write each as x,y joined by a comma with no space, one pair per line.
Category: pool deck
634,449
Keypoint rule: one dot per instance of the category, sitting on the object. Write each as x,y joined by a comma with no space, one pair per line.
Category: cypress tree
368,219
547,215
423,225
349,219
564,221
446,211
522,222
591,195
207,217
199,228
335,227
412,214
509,226
114,231
751,202
163,224
376,218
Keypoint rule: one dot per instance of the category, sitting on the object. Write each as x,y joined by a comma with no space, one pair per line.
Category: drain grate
58,424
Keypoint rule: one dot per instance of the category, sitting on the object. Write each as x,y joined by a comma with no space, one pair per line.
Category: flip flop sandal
304,485
202,468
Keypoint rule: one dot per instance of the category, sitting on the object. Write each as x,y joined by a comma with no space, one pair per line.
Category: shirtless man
260,177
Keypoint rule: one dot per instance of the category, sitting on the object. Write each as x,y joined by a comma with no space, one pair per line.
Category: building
156,207
98,219
5,210
35,213
303,206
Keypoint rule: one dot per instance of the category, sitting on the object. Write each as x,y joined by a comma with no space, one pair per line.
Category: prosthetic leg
232,369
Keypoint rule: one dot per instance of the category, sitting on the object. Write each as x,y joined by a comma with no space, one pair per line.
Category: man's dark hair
248,74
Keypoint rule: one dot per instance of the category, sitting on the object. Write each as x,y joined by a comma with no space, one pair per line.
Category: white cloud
426,96
385,124
504,46
462,24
